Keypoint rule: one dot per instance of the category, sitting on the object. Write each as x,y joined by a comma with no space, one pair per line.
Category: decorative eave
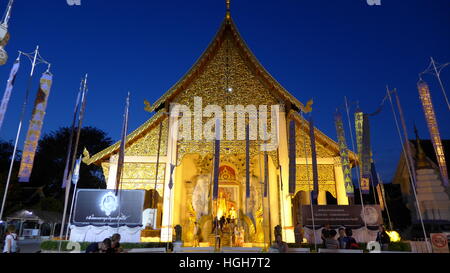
131,138
207,55
322,138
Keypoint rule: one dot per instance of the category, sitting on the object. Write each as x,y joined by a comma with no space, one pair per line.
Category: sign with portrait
439,241
103,207
342,215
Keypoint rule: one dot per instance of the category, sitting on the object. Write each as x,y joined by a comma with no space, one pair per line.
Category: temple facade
178,170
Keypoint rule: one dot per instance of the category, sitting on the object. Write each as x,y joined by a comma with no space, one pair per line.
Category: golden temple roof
196,69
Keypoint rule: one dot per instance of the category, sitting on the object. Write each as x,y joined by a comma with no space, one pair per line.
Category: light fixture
394,236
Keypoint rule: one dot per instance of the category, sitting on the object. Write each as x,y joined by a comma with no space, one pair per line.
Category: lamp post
4,34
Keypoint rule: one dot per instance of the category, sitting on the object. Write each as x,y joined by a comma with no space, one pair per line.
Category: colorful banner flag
366,158
35,128
292,158
76,171
8,90
345,162
121,158
247,161
359,134
216,161
430,117
315,172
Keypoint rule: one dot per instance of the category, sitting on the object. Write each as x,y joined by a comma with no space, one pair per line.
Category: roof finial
228,8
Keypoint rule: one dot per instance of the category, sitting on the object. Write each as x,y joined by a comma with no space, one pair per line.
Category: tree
13,201
51,156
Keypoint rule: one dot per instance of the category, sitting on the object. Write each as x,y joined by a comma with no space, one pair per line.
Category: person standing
350,242
383,238
330,241
342,238
298,232
10,240
324,236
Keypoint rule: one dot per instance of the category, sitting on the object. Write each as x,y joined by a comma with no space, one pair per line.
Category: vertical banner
247,161
123,142
35,128
292,158
315,172
216,160
8,90
430,116
76,172
343,150
359,132
366,156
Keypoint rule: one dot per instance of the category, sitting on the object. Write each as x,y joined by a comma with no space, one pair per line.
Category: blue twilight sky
321,49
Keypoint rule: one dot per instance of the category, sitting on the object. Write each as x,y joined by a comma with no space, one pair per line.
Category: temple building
178,170
432,197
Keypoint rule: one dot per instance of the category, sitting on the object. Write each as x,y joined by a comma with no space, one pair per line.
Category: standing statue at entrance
200,200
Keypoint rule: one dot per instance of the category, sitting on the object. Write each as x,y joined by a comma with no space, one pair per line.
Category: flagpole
22,116
71,207
72,132
438,76
410,170
357,167
69,178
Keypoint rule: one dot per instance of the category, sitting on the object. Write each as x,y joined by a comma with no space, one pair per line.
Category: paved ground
28,246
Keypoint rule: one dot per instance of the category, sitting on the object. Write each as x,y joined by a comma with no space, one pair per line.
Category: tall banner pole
430,116
72,133
75,179
68,184
405,132
412,177
22,116
358,170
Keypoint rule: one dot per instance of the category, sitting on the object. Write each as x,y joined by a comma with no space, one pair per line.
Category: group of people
346,241
230,227
108,245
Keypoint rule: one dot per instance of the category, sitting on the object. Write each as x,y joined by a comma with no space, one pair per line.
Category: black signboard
103,207
342,215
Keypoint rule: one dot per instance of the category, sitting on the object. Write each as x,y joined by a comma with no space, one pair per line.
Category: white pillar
112,174
285,198
168,199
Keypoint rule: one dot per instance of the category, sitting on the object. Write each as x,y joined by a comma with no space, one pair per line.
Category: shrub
54,245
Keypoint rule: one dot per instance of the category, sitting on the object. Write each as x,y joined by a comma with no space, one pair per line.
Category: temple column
274,204
285,198
322,198
112,174
342,198
168,198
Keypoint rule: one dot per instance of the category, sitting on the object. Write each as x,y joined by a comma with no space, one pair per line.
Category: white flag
76,172
9,87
